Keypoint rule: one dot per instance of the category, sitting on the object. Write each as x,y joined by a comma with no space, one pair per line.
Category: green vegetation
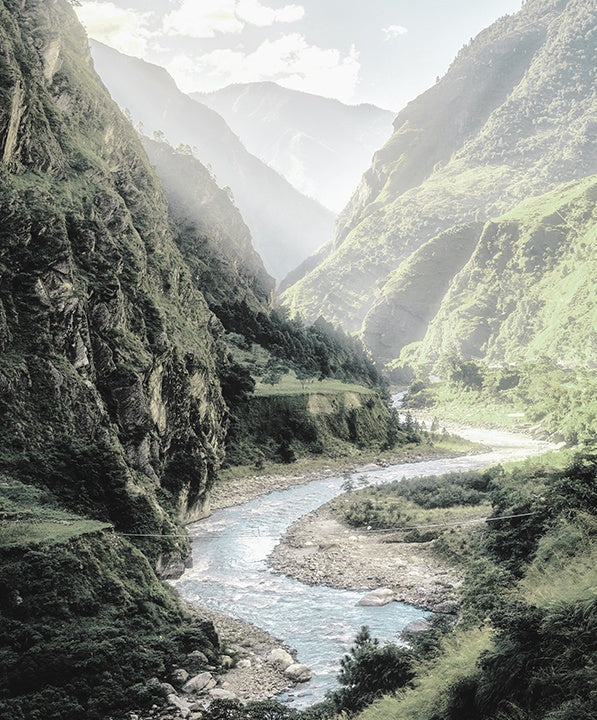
289,384
560,402
85,624
473,232
524,646
29,516
281,424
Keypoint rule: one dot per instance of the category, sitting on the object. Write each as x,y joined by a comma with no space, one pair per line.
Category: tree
369,671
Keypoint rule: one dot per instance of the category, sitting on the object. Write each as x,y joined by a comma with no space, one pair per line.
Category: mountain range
320,145
286,226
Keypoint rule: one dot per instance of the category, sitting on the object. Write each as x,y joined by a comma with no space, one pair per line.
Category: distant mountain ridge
320,145
286,226
513,118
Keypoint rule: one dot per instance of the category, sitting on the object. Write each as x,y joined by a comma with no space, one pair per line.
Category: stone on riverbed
298,672
200,683
280,658
418,626
376,598
222,694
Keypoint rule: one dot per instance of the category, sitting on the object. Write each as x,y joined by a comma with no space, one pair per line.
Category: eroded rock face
114,353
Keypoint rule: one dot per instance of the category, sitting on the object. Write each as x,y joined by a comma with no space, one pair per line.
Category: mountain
111,408
209,231
121,388
320,145
529,288
285,225
513,118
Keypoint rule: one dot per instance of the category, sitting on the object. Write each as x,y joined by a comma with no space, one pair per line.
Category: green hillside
511,119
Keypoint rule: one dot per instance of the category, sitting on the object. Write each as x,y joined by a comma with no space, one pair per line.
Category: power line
369,530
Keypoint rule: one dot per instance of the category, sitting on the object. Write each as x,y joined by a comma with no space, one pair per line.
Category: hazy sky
380,51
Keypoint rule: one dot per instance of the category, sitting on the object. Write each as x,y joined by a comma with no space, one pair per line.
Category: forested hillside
117,379
512,119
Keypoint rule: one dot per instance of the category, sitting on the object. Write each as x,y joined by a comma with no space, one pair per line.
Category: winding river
230,571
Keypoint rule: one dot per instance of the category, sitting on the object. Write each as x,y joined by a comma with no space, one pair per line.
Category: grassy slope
529,79
529,290
558,581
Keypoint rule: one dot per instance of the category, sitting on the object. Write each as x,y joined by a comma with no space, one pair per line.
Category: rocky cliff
109,352
513,117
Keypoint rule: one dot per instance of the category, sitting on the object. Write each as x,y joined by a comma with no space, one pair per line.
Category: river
230,571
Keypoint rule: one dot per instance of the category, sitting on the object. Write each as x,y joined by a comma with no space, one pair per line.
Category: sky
385,52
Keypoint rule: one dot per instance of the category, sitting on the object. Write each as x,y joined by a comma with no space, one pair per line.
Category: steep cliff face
209,231
513,117
109,391
286,226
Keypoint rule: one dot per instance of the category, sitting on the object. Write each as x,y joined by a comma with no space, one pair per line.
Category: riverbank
319,549
241,484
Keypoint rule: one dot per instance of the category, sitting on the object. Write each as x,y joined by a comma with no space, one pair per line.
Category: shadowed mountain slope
286,226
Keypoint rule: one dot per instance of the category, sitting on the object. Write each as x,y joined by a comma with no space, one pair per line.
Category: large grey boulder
298,672
280,658
376,598
199,683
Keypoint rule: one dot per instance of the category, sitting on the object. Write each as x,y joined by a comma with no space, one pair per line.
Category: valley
212,506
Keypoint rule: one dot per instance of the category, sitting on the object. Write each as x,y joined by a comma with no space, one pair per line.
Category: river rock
298,672
244,664
418,626
179,676
222,694
376,598
226,662
197,658
200,683
180,704
280,658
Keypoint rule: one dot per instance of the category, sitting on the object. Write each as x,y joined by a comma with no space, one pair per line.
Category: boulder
198,658
179,676
179,703
199,683
280,658
244,664
226,662
376,598
418,626
222,694
298,672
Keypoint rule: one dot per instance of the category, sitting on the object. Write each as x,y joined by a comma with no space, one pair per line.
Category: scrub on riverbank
235,488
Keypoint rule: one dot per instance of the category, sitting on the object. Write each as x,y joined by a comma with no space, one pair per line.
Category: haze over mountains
513,117
285,225
320,145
